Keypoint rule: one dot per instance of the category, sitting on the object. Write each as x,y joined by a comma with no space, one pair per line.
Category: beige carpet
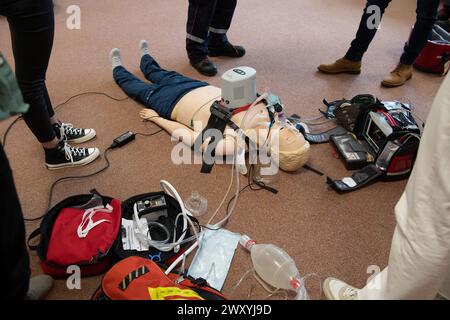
327,234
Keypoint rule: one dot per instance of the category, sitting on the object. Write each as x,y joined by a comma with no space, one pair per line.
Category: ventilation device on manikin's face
238,87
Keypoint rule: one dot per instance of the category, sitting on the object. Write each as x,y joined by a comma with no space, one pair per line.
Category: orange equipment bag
137,278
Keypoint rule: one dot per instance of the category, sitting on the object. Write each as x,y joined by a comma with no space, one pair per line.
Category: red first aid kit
436,53
81,231
433,57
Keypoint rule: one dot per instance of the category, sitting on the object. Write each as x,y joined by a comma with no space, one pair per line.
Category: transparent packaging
196,204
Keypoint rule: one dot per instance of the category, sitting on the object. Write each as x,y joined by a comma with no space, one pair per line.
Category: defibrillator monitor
238,87
377,130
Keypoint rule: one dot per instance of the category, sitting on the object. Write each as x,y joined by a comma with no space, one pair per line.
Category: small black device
123,139
355,153
152,208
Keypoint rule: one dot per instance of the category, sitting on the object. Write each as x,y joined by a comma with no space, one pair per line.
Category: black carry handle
361,178
33,236
324,137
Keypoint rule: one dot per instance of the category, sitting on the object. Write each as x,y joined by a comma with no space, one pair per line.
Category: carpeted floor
325,233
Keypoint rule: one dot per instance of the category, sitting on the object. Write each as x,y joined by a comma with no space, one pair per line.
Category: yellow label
161,293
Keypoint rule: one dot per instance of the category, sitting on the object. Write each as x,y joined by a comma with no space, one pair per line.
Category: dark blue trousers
207,24
426,18
166,89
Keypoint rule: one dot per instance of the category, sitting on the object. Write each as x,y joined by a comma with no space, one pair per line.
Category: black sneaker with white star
67,132
64,155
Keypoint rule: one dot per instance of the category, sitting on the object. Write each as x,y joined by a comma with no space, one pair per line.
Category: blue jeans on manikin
166,89
426,18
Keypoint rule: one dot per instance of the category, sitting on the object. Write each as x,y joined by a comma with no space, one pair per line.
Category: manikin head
238,90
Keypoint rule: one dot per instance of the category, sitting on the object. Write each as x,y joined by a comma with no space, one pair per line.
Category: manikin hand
148,114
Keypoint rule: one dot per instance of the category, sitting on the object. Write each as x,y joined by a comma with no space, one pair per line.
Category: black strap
32,236
361,178
324,136
220,117
213,123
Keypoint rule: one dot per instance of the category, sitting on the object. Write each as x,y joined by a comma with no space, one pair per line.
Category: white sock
114,58
143,47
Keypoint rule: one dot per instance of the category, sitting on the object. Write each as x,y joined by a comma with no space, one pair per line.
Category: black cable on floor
67,178
62,179
8,129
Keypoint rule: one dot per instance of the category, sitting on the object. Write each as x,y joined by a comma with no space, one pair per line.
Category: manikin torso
193,112
194,107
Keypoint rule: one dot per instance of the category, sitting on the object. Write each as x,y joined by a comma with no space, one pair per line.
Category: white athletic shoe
143,47
336,289
114,58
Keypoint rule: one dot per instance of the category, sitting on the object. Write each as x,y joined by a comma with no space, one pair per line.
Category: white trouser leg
419,261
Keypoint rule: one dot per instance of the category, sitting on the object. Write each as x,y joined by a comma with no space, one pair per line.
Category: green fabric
11,100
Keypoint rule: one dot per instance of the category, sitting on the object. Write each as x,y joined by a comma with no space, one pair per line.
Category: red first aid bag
81,231
436,53
433,57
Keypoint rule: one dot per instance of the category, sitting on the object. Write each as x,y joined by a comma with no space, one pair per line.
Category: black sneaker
228,50
64,156
67,132
205,67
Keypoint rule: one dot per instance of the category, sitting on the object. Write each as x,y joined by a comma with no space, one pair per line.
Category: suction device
238,87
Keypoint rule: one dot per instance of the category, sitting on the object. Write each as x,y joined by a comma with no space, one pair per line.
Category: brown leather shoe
399,76
342,65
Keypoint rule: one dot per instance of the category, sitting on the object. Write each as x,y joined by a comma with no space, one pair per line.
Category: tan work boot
399,76
342,65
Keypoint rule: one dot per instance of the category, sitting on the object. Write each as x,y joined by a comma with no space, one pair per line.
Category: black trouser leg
14,264
221,22
426,18
366,31
200,15
32,26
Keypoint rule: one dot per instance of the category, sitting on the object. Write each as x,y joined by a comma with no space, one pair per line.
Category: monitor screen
375,135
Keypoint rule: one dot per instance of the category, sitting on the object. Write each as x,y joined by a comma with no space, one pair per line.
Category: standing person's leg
426,18
32,29
419,260
367,29
15,264
351,62
200,15
218,44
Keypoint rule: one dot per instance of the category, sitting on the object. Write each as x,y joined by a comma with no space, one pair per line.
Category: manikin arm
182,133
